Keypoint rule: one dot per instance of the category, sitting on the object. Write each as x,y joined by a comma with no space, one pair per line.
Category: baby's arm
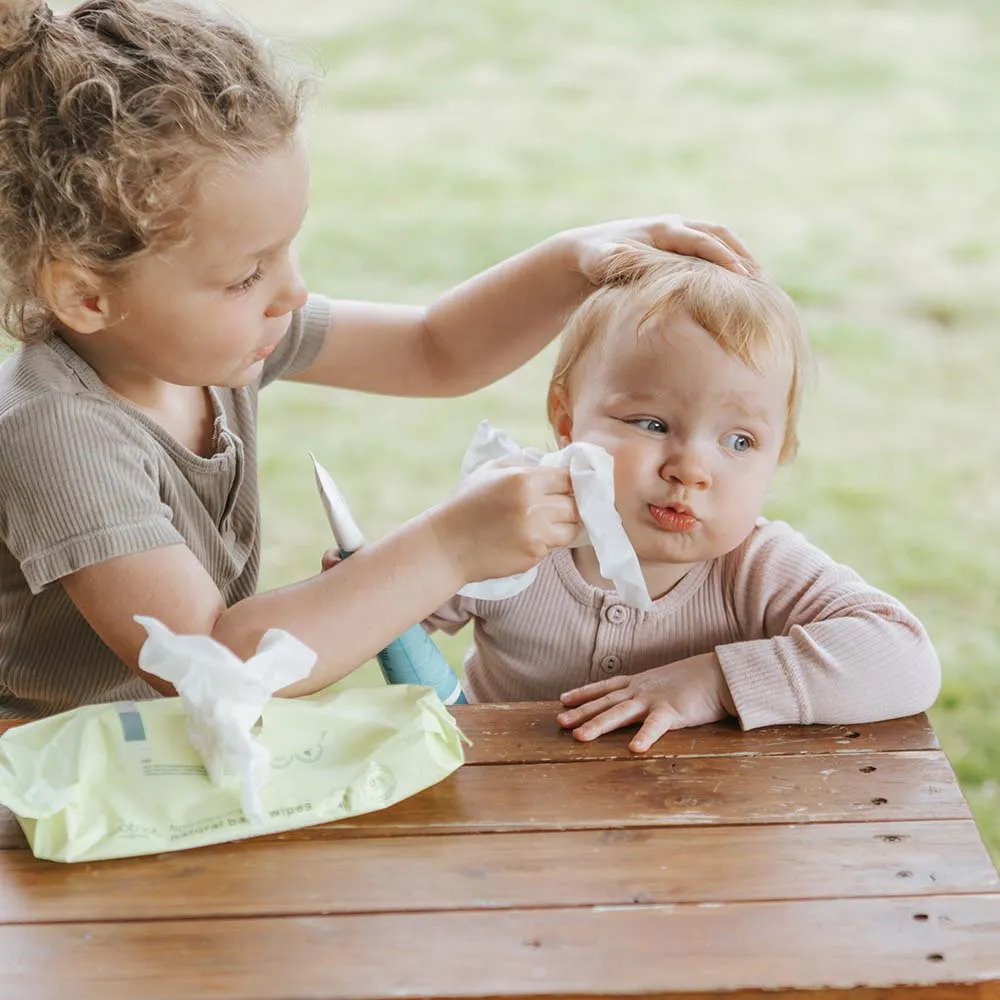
831,648
822,647
494,322
452,616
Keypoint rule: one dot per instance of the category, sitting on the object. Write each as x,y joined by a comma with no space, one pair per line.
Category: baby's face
694,432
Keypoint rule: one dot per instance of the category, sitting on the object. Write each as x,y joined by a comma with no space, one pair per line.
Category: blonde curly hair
108,113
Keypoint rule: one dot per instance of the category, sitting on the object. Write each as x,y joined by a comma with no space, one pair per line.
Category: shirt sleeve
827,647
78,488
452,616
299,347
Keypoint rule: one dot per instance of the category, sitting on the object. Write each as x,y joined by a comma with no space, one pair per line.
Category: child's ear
560,417
79,299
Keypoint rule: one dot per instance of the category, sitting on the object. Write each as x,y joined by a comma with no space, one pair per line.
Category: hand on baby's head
707,240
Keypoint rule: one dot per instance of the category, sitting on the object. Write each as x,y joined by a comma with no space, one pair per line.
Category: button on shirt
613,639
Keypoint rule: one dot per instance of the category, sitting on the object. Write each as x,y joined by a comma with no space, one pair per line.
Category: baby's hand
686,693
330,558
506,518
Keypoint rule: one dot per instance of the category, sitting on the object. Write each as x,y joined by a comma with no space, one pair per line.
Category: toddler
691,377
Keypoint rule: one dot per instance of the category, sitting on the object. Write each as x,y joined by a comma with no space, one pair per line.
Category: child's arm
501,521
494,322
822,647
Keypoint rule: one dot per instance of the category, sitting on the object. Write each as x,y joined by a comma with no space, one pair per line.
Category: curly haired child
153,178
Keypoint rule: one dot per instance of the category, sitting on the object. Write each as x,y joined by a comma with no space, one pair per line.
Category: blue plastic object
413,657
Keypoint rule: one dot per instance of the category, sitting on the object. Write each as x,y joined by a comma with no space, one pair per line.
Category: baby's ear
77,297
560,416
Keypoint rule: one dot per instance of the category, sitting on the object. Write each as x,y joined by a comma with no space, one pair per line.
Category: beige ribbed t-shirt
85,477
801,639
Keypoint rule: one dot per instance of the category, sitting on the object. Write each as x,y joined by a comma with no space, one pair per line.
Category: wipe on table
107,781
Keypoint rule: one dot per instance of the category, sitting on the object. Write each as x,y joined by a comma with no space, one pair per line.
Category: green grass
853,145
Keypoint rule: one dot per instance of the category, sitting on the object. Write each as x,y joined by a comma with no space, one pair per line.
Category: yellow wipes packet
118,780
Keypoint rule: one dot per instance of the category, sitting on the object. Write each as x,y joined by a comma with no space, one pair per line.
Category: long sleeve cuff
763,692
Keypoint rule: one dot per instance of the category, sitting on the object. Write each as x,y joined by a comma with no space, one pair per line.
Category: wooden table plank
741,948
527,733
680,791
666,792
465,872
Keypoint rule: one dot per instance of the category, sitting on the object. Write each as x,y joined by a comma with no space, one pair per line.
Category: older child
152,180
691,377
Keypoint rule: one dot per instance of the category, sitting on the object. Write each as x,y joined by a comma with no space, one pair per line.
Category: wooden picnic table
840,860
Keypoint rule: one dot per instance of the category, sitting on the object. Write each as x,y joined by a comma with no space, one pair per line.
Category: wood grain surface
827,862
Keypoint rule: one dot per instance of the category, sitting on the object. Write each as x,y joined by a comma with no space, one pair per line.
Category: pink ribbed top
801,638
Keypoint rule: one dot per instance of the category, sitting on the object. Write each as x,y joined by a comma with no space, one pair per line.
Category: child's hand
506,518
686,693
693,238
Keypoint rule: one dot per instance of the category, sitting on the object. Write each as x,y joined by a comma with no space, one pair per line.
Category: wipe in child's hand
591,470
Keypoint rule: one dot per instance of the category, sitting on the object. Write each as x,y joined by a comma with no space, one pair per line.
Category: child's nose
291,297
292,293
687,466
300,294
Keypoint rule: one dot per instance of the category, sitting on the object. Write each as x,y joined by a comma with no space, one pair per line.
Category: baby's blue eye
650,424
737,442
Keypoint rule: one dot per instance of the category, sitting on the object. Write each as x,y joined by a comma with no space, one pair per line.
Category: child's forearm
350,612
502,520
493,323
469,337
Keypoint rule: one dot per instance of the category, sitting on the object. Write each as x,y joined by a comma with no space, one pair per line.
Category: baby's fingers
574,717
590,692
330,558
624,713
658,722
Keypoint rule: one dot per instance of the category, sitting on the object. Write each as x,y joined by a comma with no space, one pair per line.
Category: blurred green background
855,146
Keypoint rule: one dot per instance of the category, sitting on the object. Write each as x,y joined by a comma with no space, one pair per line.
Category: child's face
209,311
695,435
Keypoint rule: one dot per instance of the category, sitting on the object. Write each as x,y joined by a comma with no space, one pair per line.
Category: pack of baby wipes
222,761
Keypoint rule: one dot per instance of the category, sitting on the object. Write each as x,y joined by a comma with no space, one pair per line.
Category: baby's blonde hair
750,317
108,115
